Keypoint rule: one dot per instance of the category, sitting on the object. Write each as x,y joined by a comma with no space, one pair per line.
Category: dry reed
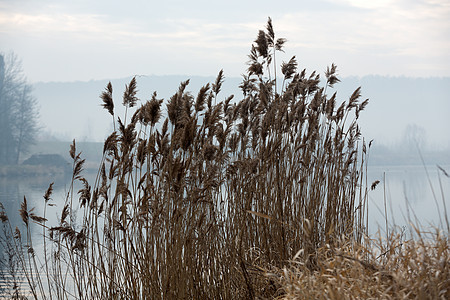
214,199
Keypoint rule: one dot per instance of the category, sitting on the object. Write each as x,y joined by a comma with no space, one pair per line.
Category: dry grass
412,269
214,199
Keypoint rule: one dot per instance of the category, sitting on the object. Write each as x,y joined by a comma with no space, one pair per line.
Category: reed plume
261,195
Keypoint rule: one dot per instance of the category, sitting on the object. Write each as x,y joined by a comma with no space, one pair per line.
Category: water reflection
403,184
416,191
12,192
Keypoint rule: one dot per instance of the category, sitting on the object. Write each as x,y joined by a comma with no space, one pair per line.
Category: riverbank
31,171
90,151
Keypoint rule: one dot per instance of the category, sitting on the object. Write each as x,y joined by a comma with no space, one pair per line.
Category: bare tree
414,136
18,111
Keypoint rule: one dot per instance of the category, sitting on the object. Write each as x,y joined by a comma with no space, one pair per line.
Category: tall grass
406,269
203,199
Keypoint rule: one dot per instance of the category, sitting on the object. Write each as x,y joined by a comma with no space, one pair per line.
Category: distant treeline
72,109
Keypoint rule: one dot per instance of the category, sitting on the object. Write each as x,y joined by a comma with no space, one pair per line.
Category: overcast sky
67,40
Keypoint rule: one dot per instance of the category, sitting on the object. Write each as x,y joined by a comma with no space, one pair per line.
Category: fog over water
412,193
415,194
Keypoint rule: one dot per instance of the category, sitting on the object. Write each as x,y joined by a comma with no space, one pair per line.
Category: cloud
53,23
185,45
412,33
98,28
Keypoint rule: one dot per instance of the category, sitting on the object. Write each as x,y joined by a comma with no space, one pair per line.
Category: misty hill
73,109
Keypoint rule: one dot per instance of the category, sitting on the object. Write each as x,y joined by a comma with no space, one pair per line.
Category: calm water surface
421,191
12,192
399,185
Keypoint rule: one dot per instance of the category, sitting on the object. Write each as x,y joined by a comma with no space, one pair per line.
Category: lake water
12,192
418,189
398,185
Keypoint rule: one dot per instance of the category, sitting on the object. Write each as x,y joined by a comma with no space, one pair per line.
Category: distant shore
28,171
92,152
